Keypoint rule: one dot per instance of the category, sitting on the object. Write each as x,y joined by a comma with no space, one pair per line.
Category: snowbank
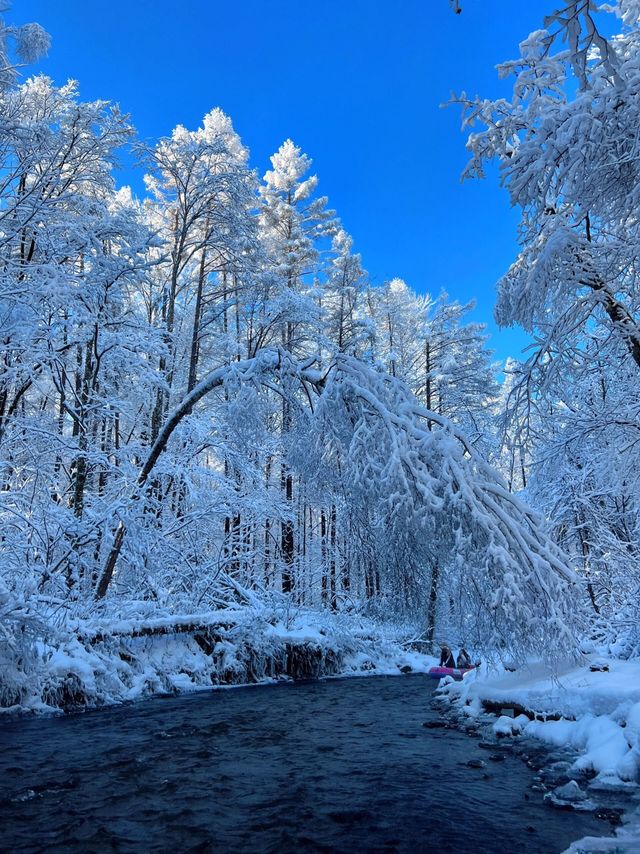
570,692
86,664
626,840
594,712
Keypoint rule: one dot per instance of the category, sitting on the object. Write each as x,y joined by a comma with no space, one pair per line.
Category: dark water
342,765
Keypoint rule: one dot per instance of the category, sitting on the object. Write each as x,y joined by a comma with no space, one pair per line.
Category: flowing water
341,765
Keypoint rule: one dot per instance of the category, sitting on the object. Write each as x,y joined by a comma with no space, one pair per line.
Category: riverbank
593,709
90,663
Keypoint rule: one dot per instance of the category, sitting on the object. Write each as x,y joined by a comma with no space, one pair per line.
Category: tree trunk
323,552
195,333
332,571
287,544
433,603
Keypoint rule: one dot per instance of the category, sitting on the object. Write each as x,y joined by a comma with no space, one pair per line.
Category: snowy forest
206,407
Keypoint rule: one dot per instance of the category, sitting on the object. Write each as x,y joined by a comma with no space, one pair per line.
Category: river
337,765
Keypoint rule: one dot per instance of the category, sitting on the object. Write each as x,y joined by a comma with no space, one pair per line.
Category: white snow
89,664
599,717
626,840
570,691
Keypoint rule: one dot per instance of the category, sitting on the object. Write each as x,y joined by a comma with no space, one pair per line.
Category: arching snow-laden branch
425,484
431,485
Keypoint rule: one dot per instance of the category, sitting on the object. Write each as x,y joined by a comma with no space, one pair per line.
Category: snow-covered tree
567,158
72,250
566,144
19,45
202,194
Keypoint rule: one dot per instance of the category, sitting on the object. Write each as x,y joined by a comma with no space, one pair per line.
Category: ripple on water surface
342,765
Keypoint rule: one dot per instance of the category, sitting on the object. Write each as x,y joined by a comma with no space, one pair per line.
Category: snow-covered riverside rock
570,792
570,796
87,664
593,712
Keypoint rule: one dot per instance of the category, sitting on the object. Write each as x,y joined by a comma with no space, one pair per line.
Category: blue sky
357,84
